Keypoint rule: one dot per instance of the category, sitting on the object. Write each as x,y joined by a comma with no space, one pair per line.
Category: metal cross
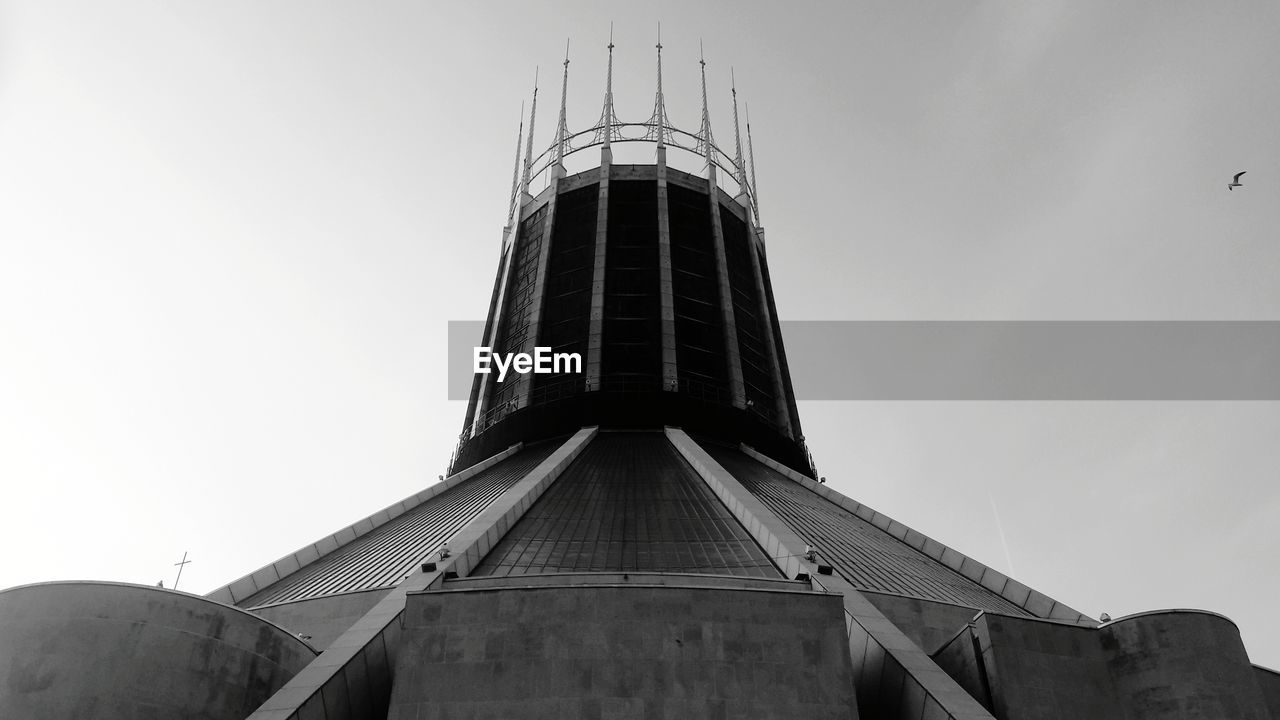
180,565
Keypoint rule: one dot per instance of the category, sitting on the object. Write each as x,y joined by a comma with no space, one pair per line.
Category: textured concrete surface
622,652
1040,669
89,650
961,659
321,620
1182,664
928,624
1269,683
1164,665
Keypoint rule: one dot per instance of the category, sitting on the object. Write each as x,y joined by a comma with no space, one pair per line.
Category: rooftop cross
180,566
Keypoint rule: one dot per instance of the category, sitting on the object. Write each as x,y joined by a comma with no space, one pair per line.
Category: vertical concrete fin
786,422
733,357
541,272
666,287
595,318
755,196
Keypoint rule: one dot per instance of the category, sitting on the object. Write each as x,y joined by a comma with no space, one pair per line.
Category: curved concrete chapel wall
1160,665
1182,663
107,650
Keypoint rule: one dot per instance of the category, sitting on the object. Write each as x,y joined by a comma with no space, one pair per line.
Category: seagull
1235,181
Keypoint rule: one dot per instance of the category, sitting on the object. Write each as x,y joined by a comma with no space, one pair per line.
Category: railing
675,137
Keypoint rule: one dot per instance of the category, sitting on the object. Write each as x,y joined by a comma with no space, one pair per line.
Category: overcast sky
232,234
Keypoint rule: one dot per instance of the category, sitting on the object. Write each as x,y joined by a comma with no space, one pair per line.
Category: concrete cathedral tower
640,535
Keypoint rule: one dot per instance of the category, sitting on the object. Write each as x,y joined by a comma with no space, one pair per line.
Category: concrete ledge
237,590
1169,611
1034,602
629,579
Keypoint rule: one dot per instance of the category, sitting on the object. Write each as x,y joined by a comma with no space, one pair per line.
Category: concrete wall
1165,665
1046,670
959,657
623,652
1182,664
929,624
1269,683
104,650
321,619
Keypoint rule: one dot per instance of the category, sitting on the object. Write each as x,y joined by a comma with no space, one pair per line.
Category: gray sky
231,236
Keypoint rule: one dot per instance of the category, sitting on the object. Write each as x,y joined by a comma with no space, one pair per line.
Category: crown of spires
751,154
658,129
515,176
706,144
562,130
658,123
741,171
607,127
528,148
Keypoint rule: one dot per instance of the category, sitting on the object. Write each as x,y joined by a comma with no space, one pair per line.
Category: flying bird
1235,181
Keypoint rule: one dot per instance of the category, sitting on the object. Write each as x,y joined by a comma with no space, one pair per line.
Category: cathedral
636,532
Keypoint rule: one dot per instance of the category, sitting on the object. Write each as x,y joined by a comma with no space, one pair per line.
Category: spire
606,128
515,177
528,149
562,131
706,145
755,197
740,168
658,122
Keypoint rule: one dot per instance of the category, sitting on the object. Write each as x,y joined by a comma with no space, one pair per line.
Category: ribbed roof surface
628,503
384,556
862,553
